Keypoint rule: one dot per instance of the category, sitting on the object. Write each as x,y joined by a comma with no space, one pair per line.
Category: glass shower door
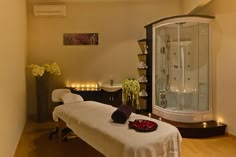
166,36
182,67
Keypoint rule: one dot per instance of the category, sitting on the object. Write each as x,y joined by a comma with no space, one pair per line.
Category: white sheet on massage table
92,122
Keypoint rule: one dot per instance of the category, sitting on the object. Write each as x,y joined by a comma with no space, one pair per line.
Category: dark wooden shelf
142,54
143,71
111,98
142,82
196,130
143,97
199,130
142,40
142,44
142,68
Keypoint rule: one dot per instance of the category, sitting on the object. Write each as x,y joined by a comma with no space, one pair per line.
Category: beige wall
224,60
13,31
189,6
119,24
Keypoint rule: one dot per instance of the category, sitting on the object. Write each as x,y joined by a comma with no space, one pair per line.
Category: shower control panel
163,100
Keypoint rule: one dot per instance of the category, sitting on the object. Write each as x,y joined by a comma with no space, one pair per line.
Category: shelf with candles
142,70
196,130
93,92
85,87
88,94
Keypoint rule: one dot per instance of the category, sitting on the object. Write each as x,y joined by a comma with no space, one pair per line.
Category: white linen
57,93
68,98
91,121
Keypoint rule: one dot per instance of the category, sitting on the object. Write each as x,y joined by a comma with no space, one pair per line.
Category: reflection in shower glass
182,66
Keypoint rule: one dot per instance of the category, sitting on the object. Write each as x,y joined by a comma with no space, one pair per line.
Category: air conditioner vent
49,10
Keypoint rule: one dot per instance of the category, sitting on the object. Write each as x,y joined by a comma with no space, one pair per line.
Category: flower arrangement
130,91
39,71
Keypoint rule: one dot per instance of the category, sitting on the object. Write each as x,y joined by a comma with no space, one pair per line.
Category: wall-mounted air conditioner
49,10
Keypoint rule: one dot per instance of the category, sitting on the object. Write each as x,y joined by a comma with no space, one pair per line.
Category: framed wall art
80,38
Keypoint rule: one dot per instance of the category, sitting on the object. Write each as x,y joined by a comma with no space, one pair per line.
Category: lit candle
78,86
87,86
204,124
67,84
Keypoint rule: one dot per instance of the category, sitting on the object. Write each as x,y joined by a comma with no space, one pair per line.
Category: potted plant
130,92
41,73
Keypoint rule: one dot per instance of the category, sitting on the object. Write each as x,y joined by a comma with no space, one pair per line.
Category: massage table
91,121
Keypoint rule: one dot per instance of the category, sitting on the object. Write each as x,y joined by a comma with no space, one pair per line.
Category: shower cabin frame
180,115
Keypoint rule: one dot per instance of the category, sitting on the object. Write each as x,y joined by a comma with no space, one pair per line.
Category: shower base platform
197,130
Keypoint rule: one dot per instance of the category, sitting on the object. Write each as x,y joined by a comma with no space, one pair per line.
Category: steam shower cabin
181,68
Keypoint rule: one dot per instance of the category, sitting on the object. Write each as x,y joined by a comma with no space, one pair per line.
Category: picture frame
80,38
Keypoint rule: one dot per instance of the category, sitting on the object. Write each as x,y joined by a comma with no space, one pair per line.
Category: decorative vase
42,93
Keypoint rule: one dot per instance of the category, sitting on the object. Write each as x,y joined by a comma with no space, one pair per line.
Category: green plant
130,91
39,71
